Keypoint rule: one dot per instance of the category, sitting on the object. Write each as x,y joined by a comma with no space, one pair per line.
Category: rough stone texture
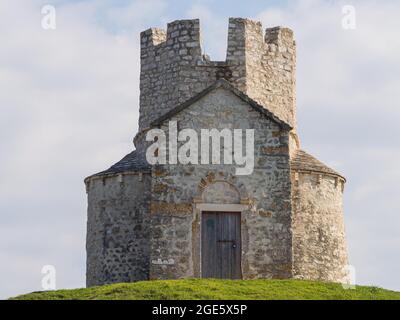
266,239
302,161
173,68
221,192
264,65
144,222
319,246
118,229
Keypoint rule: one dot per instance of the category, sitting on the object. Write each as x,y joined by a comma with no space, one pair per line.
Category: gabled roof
302,161
222,83
132,162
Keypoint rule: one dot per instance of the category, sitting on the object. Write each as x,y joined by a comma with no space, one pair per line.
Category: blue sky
69,105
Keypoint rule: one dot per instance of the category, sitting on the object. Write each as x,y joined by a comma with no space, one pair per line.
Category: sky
69,108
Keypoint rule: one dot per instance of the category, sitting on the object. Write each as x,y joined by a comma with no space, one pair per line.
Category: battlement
148,222
174,68
177,31
279,36
152,37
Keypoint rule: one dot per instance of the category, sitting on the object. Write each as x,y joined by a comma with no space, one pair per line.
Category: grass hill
212,289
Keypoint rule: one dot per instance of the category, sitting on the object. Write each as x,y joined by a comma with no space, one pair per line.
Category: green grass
212,289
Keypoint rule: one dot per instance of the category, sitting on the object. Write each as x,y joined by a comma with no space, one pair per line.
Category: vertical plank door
221,245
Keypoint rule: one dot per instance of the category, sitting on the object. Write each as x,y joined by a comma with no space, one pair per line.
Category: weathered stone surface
266,240
173,67
319,245
144,221
118,229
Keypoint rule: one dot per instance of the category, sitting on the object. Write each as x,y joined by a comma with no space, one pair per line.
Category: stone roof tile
303,161
130,163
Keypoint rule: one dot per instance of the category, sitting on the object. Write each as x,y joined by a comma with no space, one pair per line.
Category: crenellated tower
174,69
182,220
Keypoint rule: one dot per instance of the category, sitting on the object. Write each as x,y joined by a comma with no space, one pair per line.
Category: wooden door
221,245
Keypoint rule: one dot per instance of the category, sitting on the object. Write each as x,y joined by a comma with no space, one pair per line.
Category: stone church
169,221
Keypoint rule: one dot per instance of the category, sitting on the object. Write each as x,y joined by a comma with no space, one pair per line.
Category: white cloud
69,108
69,105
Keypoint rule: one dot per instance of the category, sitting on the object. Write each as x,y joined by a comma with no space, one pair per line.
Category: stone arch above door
220,188
221,192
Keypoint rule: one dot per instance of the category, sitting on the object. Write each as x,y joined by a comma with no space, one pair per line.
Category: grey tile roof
131,162
303,161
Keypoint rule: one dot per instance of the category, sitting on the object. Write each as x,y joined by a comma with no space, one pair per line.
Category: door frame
239,213
197,232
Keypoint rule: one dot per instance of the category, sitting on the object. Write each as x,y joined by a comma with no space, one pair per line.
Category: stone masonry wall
118,229
147,226
319,245
266,234
264,65
174,69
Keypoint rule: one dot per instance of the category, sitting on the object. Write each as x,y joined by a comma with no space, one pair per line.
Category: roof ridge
228,86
